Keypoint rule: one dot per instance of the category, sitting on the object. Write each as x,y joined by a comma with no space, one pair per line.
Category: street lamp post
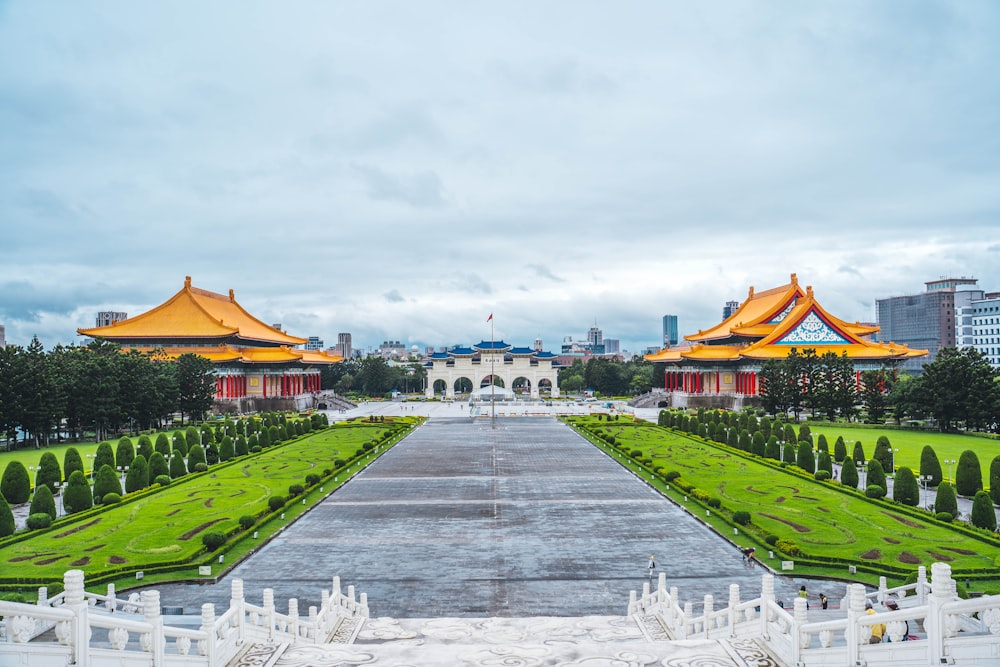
60,508
861,469
923,484
91,457
950,463
892,460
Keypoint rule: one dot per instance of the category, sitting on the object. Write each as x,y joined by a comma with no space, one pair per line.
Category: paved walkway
463,520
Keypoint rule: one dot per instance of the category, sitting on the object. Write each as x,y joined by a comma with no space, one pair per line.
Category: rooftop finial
795,279
187,282
232,296
809,291
750,296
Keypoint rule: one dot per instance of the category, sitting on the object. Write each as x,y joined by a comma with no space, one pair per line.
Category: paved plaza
465,520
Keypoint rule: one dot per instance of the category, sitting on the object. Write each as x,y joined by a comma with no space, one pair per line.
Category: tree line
95,388
958,389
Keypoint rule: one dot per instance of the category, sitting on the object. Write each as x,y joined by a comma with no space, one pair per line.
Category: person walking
878,629
823,601
803,593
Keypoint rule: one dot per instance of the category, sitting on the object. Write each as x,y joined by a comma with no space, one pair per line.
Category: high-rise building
612,346
538,345
314,343
730,308
937,318
670,335
344,345
3,336
595,337
106,318
986,327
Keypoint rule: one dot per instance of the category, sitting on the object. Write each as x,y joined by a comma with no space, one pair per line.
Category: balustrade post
922,585
363,601
351,603
633,604
293,617
151,613
942,586
313,624
43,596
686,620
709,609
269,612
670,613
208,646
883,591
112,602
237,604
800,640
734,602
661,588
855,609
766,598
79,636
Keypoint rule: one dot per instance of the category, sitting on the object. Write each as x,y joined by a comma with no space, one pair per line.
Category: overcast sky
400,170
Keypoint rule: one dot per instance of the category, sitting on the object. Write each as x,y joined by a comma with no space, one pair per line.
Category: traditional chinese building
515,368
728,357
251,359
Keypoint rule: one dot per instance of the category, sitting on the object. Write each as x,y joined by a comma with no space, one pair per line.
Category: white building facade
986,328
465,369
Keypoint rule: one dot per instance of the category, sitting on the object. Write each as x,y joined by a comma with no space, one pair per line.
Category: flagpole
493,405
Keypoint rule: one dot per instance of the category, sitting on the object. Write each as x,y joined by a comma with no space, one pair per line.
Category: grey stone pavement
461,519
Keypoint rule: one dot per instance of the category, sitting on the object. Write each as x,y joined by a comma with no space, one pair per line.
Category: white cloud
400,174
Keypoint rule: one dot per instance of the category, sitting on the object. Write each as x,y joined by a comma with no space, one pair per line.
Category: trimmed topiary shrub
163,445
77,497
6,518
195,456
876,477
49,472
274,503
200,467
227,449
312,479
968,474
995,480
770,540
904,488
804,457
946,500
157,466
72,461
741,517
43,502
144,447
875,491
295,490
213,540
714,503
247,521
256,449
105,456
982,515
849,473
930,465
162,480
192,437
15,485
944,516
124,453
671,476
111,498
39,521
137,477
822,475
177,468
839,450
179,443
105,483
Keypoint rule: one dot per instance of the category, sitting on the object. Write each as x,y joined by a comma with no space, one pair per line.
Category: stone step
590,641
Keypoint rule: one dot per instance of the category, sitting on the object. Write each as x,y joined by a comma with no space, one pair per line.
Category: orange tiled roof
781,319
249,355
195,313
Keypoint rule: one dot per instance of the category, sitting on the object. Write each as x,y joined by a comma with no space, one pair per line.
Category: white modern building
463,370
986,327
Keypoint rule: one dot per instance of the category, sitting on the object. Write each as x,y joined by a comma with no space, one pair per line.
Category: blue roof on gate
438,355
522,350
545,355
462,351
491,345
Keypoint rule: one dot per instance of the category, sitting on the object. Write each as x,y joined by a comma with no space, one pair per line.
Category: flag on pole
490,318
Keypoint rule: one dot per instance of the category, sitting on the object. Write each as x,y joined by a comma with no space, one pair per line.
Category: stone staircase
590,641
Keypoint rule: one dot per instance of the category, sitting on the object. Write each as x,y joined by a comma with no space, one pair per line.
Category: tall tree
874,395
195,385
958,386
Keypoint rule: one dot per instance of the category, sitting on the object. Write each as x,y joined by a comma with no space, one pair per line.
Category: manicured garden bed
822,526
160,530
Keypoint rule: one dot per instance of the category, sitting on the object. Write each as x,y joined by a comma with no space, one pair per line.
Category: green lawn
947,446
166,526
823,519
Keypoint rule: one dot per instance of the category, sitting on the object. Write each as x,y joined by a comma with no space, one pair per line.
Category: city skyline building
986,327
314,343
106,318
671,336
937,318
3,336
344,345
730,308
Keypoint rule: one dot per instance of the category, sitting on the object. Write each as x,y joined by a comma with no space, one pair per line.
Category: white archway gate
492,358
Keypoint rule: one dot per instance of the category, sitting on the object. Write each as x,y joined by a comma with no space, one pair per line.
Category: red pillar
753,383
